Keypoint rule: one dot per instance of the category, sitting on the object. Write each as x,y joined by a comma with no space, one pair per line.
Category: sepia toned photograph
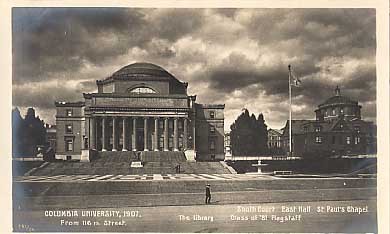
190,120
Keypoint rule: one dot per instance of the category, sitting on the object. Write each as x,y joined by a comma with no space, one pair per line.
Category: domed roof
142,69
144,72
338,99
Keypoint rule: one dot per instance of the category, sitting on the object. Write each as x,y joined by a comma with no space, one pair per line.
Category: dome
142,69
145,73
338,99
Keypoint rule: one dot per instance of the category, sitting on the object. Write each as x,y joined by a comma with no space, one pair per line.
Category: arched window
139,90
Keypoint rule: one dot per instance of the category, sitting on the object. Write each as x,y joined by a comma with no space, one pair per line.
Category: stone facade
141,107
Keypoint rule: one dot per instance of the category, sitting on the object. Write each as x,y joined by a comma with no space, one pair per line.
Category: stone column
146,134
124,134
134,137
175,136
185,133
92,130
166,134
194,133
156,134
104,133
114,134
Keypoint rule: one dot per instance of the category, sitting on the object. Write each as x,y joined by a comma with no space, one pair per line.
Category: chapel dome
338,99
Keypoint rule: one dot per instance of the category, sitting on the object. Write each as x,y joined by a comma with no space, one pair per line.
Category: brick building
140,107
337,130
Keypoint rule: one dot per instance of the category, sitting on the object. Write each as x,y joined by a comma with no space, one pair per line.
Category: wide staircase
112,163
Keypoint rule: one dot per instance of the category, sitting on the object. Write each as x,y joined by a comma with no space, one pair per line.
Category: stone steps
111,163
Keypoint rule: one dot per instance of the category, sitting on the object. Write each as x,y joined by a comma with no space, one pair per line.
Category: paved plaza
67,178
157,177
160,199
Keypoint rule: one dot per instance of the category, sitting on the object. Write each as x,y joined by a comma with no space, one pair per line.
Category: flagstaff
289,94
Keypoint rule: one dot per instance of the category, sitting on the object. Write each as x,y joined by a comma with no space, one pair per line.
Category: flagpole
289,94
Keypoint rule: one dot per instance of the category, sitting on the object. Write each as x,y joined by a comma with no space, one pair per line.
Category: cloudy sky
234,56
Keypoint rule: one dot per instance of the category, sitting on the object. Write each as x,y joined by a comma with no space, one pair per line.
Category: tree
17,132
27,133
249,135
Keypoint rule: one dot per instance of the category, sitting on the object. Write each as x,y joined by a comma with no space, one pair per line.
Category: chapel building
338,130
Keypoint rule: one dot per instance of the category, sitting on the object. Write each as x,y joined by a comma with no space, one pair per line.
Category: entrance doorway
140,139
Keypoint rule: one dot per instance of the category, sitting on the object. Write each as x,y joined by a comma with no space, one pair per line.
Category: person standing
208,194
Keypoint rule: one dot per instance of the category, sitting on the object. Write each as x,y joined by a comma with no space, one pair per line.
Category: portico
138,133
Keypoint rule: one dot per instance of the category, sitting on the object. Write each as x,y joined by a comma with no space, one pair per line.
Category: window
160,124
69,128
180,143
212,145
318,129
357,128
180,125
306,129
212,114
357,140
69,145
161,142
85,142
318,139
140,90
212,130
69,112
333,112
342,111
326,113
170,125
213,157
333,139
348,139
170,142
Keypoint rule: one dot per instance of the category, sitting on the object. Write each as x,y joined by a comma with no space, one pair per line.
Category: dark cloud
237,72
63,39
44,96
233,56
171,24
